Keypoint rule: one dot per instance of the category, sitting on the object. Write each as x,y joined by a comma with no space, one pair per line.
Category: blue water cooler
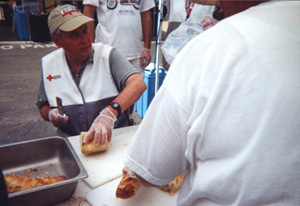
22,25
143,103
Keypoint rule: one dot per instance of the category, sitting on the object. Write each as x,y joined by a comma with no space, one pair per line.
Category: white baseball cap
66,18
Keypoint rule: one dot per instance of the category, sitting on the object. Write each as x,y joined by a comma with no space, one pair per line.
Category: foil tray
50,156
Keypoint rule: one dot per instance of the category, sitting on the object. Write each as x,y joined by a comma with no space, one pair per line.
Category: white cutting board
106,166
146,196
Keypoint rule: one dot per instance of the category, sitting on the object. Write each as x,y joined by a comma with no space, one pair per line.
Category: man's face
75,43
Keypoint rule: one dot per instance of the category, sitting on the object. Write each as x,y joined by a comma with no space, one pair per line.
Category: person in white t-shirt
178,11
124,25
227,114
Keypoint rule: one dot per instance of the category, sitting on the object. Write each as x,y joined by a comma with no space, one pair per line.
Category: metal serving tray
52,156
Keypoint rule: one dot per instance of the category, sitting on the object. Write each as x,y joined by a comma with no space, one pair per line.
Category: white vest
96,83
83,103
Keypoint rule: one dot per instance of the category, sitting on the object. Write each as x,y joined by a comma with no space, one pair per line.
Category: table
96,162
79,195
100,189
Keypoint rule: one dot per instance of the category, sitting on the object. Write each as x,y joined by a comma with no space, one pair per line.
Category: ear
56,40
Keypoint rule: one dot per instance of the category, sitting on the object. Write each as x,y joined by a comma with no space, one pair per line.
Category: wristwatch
117,107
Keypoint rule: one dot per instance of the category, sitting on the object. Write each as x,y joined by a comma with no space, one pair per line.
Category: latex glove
101,129
55,119
208,22
145,57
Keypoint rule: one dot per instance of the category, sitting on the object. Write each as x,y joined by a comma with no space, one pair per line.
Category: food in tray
173,186
128,187
15,183
90,147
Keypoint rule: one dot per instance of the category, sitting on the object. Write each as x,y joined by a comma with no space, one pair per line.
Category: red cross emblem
50,78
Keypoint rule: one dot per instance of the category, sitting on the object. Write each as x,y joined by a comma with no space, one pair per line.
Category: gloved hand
145,57
101,128
55,119
208,22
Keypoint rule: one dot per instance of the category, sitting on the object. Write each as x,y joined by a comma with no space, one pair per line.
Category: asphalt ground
19,77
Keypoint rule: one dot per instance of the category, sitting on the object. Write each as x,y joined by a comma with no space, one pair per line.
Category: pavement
19,75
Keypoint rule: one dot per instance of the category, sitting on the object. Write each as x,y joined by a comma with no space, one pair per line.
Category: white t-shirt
120,24
228,114
178,12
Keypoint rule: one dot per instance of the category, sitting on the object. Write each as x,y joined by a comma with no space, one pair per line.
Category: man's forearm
135,86
146,27
144,182
89,11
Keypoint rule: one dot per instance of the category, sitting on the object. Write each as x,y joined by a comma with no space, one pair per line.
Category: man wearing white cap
89,78
227,114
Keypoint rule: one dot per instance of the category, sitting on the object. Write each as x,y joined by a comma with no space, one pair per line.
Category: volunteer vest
81,103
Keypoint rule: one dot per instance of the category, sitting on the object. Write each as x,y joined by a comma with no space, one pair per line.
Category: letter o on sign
7,47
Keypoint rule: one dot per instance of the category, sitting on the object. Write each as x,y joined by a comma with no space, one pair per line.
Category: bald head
231,7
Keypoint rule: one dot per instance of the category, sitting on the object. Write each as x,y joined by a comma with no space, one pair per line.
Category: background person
7,7
125,25
208,22
178,11
89,78
227,114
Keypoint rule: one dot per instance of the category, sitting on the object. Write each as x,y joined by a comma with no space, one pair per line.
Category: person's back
227,114
243,142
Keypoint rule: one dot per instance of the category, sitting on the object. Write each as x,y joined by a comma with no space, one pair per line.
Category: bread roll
16,183
90,147
128,187
173,186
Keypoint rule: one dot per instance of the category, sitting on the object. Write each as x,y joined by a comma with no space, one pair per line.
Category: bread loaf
128,187
16,183
90,147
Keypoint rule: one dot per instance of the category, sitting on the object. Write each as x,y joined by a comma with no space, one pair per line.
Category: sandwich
15,183
90,147
173,186
128,187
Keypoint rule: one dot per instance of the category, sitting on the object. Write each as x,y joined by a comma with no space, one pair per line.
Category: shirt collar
90,59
